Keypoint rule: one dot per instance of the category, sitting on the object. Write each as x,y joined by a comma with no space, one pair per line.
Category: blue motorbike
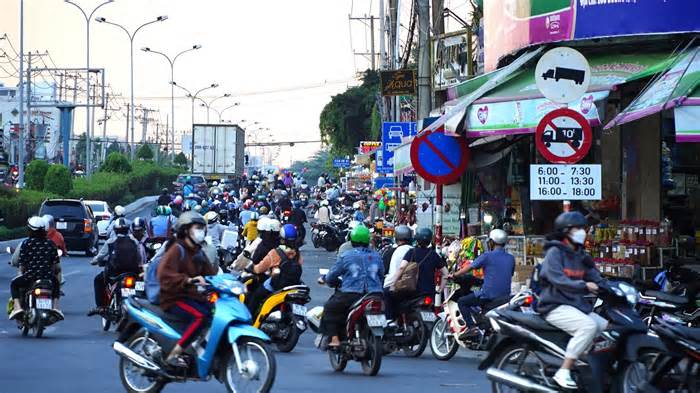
232,351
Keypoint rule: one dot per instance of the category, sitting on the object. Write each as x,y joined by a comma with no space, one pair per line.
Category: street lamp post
221,112
131,36
88,123
194,96
210,103
172,89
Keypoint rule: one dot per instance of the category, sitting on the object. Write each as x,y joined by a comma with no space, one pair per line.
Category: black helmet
424,236
403,232
568,220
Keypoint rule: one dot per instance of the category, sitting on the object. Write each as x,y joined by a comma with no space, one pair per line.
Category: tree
180,159
113,147
315,165
347,119
35,174
117,163
58,180
144,152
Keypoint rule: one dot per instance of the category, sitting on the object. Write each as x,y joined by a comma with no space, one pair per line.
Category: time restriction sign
565,182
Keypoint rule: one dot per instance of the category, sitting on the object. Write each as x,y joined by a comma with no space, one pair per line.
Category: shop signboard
687,120
563,136
439,158
510,25
369,147
563,75
398,82
451,202
341,163
451,53
392,135
565,182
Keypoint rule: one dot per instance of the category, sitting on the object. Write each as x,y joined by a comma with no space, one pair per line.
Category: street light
88,123
210,103
194,96
172,87
221,112
131,36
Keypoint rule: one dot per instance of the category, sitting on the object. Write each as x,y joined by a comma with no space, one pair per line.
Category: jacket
57,239
38,258
103,254
362,271
272,260
563,278
323,215
174,274
250,231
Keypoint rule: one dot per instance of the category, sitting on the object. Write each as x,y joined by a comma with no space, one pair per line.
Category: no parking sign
439,158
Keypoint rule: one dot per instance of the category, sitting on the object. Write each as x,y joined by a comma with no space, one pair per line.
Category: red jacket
57,239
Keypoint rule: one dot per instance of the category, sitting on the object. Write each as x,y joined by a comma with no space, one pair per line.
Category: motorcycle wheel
38,328
509,359
338,361
106,324
421,334
634,375
288,343
133,377
443,346
314,240
256,377
373,358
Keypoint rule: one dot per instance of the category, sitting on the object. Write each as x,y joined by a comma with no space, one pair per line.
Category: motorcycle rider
138,232
429,263
250,230
214,228
498,267
298,219
403,236
119,212
164,198
270,240
38,260
120,254
53,234
566,276
362,272
160,226
188,188
323,214
179,273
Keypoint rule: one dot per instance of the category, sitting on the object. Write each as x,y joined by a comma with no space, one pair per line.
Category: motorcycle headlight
629,292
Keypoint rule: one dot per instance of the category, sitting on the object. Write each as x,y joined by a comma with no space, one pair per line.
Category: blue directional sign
391,139
341,163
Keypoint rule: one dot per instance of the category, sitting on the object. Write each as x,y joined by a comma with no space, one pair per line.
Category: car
103,215
198,182
76,222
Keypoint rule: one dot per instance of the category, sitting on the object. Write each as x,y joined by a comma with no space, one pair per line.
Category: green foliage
144,152
347,119
17,206
58,180
113,148
116,163
35,174
315,165
102,186
376,126
12,233
180,159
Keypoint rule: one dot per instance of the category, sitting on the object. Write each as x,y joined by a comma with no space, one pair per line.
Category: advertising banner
369,147
398,83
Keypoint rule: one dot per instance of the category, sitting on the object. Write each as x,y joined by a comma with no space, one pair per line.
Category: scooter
232,351
411,332
120,288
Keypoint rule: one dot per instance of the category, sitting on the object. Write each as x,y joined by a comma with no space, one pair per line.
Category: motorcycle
675,301
529,350
411,332
326,236
232,244
120,288
282,315
362,338
304,200
232,351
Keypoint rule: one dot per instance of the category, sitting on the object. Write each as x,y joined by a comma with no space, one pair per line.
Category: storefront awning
517,106
667,91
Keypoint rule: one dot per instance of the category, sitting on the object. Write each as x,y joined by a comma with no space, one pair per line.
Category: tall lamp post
194,96
209,104
221,112
131,36
88,123
172,88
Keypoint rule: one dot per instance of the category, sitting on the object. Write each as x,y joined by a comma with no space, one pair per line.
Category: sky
281,60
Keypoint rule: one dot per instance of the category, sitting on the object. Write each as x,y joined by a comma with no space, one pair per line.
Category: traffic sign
392,133
439,158
565,182
563,136
563,75
341,163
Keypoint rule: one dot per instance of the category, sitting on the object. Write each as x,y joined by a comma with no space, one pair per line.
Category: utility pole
438,19
397,53
373,53
127,124
21,94
424,94
382,29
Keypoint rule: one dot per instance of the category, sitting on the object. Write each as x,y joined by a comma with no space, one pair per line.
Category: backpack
408,281
151,279
123,256
290,272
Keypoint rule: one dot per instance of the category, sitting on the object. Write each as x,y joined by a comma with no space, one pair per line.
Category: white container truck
217,150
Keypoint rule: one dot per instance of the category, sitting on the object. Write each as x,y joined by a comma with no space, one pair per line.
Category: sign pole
438,215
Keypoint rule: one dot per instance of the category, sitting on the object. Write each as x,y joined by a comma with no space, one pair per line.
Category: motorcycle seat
363,298
533,321
667,297
491,304
144,303
291,287
43,284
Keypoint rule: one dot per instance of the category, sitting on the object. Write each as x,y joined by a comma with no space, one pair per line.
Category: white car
103,214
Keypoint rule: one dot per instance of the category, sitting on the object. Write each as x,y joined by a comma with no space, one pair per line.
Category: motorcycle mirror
323,271
60,253
157,246
9,250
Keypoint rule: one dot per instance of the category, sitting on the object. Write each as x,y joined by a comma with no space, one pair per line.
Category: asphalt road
76,356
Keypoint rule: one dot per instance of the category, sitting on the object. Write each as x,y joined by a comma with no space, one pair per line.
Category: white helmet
36,223
119,211
356,205
324,202
498,236
48,221
264,224
215,184
275,225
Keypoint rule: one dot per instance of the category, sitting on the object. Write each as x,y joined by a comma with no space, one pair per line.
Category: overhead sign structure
392,134
369,147
439,158
563,75
565,182
563,136
398,83
341,163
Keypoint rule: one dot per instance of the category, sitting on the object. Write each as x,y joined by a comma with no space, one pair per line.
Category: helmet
190,195
275,225
353,224
188,219
248,204
48,221
161,211
296,204
168,210
424,236
403,232
356,205
204,204
284,193
121,225
261,198
360,235
119,211
164,191
288,232
197,208
139,224
264,224
254,216
568,220
188,179
211,217
498,236
36,223
214,184
178,200
324,202
264,210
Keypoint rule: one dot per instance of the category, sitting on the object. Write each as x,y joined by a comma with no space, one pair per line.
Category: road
76,356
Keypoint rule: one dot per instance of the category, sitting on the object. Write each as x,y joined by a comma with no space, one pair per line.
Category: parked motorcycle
232,351
411,332
326,236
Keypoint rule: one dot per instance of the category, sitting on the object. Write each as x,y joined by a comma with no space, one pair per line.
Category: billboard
510,25
398,82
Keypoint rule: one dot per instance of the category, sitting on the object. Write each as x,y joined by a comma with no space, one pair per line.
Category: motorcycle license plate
376,320
139,286
44,304
298,309
428,316
61,225
126,292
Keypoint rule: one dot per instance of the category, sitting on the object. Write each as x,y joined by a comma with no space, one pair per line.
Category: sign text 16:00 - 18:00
565,182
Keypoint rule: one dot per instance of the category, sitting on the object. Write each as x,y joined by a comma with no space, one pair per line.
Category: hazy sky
287,48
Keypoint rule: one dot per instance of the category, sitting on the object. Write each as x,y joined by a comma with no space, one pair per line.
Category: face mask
578,236
198,235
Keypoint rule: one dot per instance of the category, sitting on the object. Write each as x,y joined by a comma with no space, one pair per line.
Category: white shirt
396,259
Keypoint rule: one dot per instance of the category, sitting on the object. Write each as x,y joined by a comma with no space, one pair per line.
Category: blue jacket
362,271
498,271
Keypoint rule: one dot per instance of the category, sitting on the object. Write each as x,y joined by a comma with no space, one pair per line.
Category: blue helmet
288,232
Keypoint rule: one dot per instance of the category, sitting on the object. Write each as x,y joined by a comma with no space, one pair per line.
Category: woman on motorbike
566,276
181,269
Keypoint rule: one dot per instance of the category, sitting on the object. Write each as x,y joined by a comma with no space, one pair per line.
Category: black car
75,221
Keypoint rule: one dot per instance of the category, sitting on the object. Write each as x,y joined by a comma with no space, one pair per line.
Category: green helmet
360,235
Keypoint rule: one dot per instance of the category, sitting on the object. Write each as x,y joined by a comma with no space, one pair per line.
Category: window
63,210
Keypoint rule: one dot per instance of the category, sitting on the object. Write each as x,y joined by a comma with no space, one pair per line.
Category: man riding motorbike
188,188
566,276
53,234
429,264
270,240
498,267
38,260
298,219
403,236
119,212
160,226
138,231
164,198
362,272
183,267
214,228
323,214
